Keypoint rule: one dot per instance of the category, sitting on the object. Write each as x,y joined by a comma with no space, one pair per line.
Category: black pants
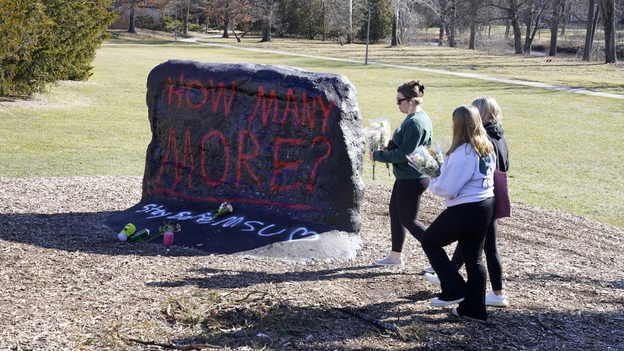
492,257
467,224
404,206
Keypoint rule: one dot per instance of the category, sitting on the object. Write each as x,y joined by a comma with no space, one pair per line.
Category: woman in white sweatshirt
466,181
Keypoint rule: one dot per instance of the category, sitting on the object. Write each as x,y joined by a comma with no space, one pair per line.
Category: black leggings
404,206
466,223
493,260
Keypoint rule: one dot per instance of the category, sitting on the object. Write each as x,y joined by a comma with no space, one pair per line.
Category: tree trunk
442,22
235,35
441,36
517,36
589,33
507,25
395,30
532,37
565,15
185,16
554,25
350,29
452,27
530,31
266,37
473,34
131,28
226,24
554,30
515,24
473,26
607,9
310,31
532,19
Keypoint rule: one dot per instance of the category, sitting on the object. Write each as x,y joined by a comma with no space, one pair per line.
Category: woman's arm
411,134
456,172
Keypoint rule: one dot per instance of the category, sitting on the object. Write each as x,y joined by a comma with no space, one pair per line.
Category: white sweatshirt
461,179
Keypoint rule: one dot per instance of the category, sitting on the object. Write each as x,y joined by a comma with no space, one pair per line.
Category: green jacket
414,131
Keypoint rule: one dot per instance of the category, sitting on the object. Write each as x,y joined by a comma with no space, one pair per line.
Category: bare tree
533,17
442,16
558,10
267,8
132,5
185,8
474,21
448,21
451,23
512,9
592,18
229,12
396,39
350,27
607,12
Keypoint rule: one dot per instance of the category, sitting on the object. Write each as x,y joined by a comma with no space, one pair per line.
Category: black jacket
496,134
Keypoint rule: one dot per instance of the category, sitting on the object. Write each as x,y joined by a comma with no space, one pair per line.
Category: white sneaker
433,279
492,299
429,270
441,303
389,261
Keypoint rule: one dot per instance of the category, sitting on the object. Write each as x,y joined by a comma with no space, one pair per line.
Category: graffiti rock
271,140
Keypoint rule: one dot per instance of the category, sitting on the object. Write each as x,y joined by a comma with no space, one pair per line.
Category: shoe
429,270
433,279
496,300
389,261
441,303
456,313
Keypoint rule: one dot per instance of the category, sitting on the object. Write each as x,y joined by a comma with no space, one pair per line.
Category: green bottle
139,235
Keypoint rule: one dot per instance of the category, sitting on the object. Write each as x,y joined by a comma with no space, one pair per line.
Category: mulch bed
67,283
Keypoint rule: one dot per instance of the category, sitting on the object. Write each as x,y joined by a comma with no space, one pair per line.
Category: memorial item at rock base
127,232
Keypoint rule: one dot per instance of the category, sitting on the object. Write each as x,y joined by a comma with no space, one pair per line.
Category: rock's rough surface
284,146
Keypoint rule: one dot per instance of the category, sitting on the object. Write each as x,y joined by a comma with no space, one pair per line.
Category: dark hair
412,90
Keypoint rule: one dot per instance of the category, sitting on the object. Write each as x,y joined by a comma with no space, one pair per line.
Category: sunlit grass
561,70
566,149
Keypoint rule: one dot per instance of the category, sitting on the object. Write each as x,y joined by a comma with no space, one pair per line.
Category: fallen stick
172,346
393,328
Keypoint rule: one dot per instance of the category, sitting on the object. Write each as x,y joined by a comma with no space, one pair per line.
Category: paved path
467,75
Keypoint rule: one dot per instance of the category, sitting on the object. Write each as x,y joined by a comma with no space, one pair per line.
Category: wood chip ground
67,283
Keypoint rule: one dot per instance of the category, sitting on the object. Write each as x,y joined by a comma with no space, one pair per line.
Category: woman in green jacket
409,185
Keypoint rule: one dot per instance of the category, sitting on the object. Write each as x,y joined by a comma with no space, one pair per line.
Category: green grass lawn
566,149
562,71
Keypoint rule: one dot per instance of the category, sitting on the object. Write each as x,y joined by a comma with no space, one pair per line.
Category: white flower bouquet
372,140
378,136
224,208
429,160
382,124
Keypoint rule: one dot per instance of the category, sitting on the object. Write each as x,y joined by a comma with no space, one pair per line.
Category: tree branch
393,328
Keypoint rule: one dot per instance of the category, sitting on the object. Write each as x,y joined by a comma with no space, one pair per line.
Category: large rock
284,146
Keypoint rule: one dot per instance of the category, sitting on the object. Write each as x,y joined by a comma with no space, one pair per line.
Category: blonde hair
467,128
413,90
488,109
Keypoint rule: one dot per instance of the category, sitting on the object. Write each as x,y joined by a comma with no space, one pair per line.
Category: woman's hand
370,154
